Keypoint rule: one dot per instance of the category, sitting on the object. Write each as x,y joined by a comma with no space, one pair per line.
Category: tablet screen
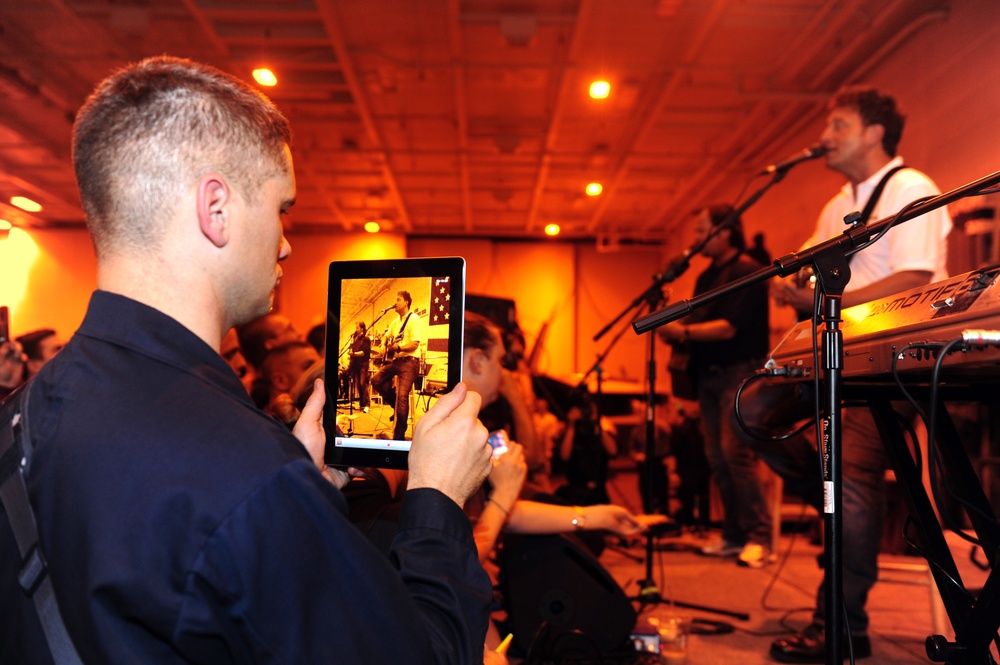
393,342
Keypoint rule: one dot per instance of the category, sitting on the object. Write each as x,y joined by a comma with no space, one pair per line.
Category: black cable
750,431
932,455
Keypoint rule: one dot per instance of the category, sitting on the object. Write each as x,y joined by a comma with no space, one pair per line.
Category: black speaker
554,579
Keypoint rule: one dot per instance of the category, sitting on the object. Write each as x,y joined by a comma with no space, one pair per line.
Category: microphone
386,309
812,152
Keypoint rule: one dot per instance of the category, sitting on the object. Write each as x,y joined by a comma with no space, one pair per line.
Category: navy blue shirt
181,524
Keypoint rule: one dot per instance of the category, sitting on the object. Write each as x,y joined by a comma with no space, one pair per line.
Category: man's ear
214,197
873,135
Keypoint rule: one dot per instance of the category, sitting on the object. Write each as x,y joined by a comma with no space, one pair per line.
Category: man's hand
449,450
787,292
310,433
672,332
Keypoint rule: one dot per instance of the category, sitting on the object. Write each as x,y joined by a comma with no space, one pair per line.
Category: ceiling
466,117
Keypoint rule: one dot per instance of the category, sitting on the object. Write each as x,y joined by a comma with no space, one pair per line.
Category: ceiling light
600,90
372,227
552,229
25,204
265,76
594,188
5,228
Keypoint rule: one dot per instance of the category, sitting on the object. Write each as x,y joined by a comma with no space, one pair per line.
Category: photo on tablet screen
393,343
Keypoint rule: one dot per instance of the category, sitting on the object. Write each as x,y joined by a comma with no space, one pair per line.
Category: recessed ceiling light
372,227
600,90
265,76
552,229
25,203
594,188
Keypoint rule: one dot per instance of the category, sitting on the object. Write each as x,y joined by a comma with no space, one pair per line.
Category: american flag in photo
440,310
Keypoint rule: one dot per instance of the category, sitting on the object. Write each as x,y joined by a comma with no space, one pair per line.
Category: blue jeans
796,460
404,369
731,458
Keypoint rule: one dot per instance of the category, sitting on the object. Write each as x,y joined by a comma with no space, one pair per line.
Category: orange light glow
25,203
552,229
265,76
594,188
600,90
18,252
372,227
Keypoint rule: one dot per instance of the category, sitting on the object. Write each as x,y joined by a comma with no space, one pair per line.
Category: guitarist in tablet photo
401,353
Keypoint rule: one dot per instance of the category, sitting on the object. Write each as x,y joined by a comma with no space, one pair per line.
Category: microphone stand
829,260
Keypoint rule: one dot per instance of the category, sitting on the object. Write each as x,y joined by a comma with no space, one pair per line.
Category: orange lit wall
46,278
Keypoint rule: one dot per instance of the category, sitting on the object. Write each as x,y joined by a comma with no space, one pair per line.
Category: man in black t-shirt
728,340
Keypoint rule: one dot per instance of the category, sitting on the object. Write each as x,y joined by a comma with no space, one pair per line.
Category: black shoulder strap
405,321
15,449
877,194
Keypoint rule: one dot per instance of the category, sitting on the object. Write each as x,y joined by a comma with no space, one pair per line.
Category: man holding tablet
181,524
402,351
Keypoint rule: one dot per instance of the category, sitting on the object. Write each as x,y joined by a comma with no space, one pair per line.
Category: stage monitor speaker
554,579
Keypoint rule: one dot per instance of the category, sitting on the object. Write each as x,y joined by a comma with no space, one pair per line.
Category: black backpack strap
15,449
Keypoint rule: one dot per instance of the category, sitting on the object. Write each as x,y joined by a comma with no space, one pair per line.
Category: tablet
391,324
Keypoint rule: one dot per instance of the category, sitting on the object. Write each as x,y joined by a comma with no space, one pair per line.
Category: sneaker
755,556
721,547
365,409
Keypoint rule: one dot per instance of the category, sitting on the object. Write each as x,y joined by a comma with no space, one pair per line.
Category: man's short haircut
874,109
364,328
31,342
405,295
480,332
150,130
720,212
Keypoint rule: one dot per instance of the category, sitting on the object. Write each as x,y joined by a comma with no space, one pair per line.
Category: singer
862,133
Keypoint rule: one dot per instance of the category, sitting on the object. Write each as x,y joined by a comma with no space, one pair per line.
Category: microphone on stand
386,309
812,152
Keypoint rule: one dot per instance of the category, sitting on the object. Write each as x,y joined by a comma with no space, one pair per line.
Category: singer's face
847,139
717,245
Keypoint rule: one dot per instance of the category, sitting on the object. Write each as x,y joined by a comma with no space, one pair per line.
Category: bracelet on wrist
505,511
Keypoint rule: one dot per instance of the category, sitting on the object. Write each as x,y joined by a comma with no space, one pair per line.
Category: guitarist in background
728,341
402,345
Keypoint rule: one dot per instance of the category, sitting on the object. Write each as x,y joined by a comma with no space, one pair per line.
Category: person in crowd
498,507
256,338
688,448
12,362
654,484
181,524
281,370
728,340
402,357
548,427
361,353
587,446
40,346
862,134
231,353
